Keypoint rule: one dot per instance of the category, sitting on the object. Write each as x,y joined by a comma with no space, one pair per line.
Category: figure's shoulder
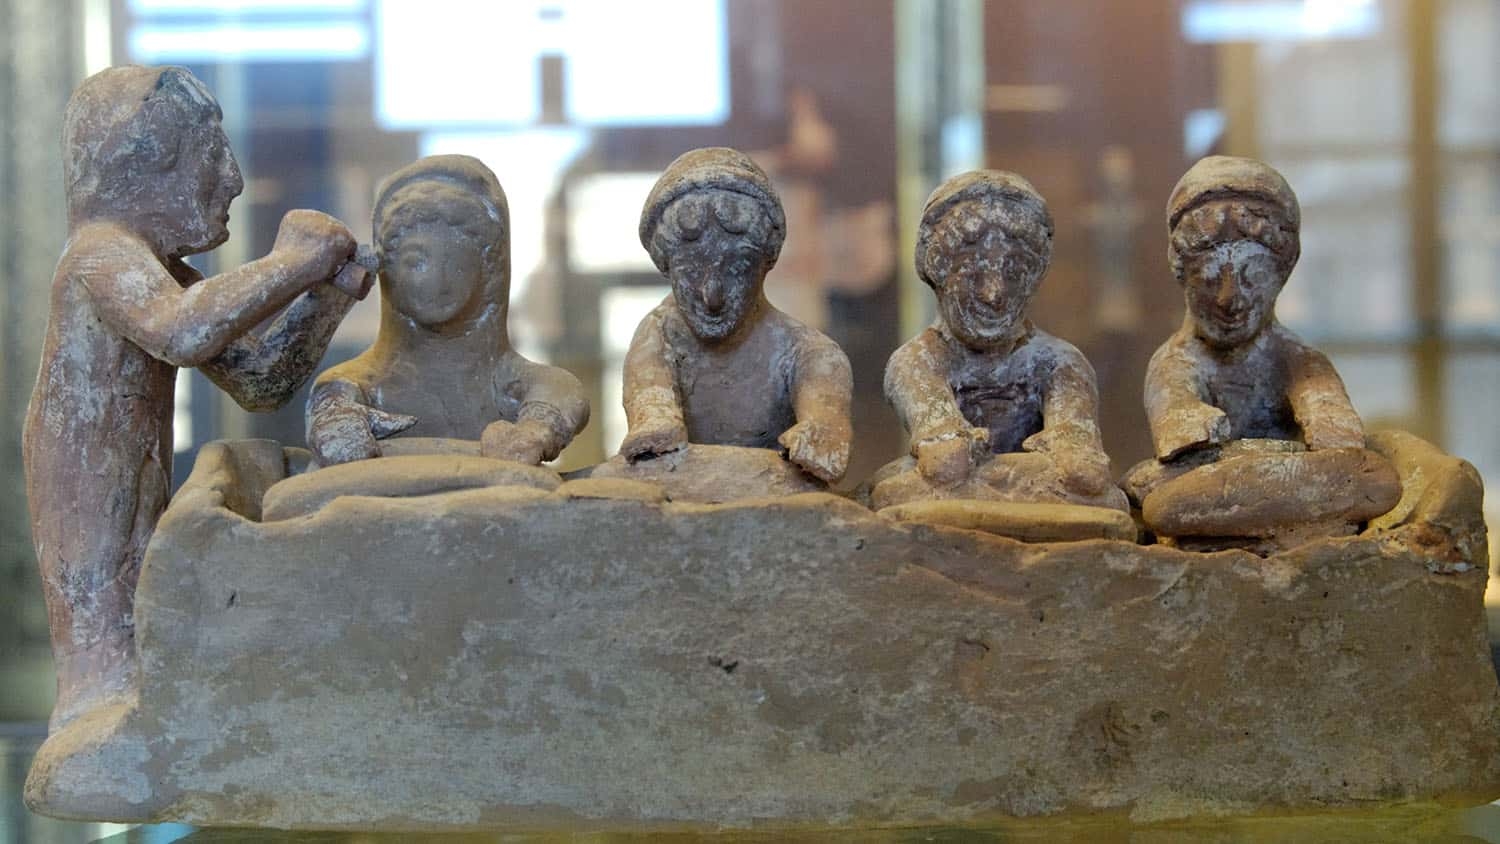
356,372
517,366
798,334
103,246
1049,349
662,321
1181,347
1283,345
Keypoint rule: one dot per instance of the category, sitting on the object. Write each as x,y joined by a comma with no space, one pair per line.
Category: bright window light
647,62
467,62
1211,21
249,42
455,62
603,211
244,7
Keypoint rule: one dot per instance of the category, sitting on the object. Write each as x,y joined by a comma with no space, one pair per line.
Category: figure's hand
527,441
946,461
341,430
1084,472
353,280
315,242
1209,424
821,448
654,437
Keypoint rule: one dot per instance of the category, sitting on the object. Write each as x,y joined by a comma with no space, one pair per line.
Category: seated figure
1257,444
998,410
442,364
715,365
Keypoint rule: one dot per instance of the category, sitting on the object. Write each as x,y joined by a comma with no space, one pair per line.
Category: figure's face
1231,291
207,179
434,273
716,276
985,284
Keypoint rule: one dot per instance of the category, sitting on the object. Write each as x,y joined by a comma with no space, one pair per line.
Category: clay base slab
600,660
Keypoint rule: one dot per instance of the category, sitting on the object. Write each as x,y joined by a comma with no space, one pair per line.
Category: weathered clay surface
717,363
997,409
150,178
1021,476
711,474
475,659
1233,372
398,477
442,364
1229,497
1027,521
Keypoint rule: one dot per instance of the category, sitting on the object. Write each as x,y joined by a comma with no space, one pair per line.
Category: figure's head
983,245
1234,226
144,146
442,226
714,227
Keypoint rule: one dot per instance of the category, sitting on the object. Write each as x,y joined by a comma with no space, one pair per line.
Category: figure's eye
740,264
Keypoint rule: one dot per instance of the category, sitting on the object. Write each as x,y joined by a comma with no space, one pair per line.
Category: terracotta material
1232,372
478,660
150,178
716,364
442,364
997,409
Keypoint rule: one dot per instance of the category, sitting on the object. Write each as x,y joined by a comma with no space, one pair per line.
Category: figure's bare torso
1251,385
99,398
738,392
454,397
98,454
1004,392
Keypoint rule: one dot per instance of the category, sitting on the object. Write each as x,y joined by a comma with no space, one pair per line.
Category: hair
688,216
953,231
125,118
1209,224
427,188
437,202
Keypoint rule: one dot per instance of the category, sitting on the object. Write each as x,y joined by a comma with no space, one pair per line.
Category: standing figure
998,410
150,178
442,364
716,364
1257,444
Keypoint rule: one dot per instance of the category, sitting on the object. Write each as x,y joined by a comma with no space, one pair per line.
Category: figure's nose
1229,286
712,292
991,291
234,180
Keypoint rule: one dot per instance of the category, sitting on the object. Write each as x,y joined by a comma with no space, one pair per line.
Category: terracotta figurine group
1256,442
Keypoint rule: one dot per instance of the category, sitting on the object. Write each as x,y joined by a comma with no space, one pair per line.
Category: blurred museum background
1383,114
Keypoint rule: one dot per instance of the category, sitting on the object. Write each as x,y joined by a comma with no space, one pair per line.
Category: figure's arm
261,373
916,385
1180,418
553,411
1321,405
822,390
1070,424
652,408
341,424
136,295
